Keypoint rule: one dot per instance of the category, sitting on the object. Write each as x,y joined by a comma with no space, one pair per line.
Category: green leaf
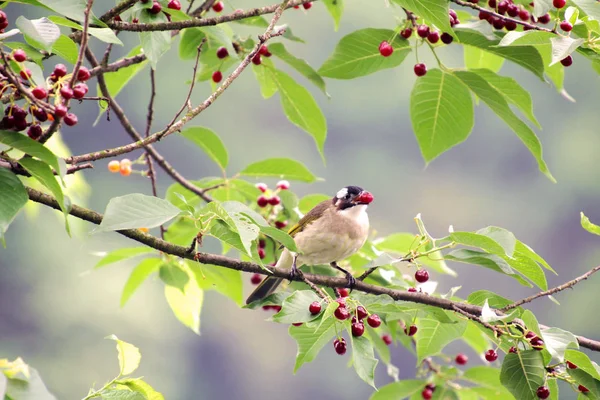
526,251
531,322
363,359
219,35
432,11
138,385
279,50
499,105
301,108
476,58
66,48
523,373
69,8
311,200
172,274
589,226
267,84
403,243
495,301
280,236
283,168
189,42
433,336
526,56
39,33
155,44
542,7
31,389
557,341
208,141
239,223
226,281
488,378
129,356
311,341
590,7
139,274
490,261
504,238
582,361
29,146
136,210
14,197
357,54
295,308
116,81
105,35
111,394
43,174
123,254
529,268
563,46
475,338
441,111
587,380
512,91
58,20
475,239
335,8
399,390
186,304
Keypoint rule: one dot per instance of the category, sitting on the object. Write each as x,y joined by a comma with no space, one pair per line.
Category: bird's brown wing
311,216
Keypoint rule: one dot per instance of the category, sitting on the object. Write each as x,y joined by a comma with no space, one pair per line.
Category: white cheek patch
342,193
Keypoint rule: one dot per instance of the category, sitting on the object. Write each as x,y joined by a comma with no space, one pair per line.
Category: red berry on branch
567,61
361,312
80,90
566,26
420,69
559,3
340,346
544,19
255,279
433,37
217,76
262,201
70,119
60,110
385,49
343,292
582,389
571,365
262,187
412,290
256,60
491,355
19,55
174,5
423,31
524,15
502,7
314,308
411,330
543,392
222,52
447,38
427,394
307,6
374,321
25,73
261,253
406,33
83,74
342,313
60,70
461,359
513,10
39,114
510,25
156,8
39,93
283,185
3,17
498,23
387,339
421,275
66,92
358,328
513,349
297,324
218,6
280,224
275,200
34,131
530,334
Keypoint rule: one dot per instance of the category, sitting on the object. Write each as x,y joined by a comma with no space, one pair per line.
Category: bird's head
351,196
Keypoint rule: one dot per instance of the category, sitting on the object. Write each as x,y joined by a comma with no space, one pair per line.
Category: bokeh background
54,311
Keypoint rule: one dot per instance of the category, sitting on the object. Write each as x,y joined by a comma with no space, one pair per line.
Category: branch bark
231,263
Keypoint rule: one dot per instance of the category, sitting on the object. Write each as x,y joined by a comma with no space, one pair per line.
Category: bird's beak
363,198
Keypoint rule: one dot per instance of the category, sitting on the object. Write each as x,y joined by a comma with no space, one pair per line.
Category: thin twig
315,288
189,95
478,320
238,265
552,291
17,169
118,9
117,65
500,16
203,8
132,132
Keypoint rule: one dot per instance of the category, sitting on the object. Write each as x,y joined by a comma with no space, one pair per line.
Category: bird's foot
351,281
295,273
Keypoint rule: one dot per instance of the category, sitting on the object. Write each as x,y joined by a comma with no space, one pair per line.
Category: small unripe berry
125,170
19,55
114,166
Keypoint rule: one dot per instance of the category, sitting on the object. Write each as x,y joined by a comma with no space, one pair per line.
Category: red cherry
261,253
174,5
411,330
433,37
283,185
60,110
422,275
297,324
70,119
156,8
314,308
412,290
262,201
387,339
19,55
582,389
222,52
423,31
60,70
275,200
374,321
263,51
544,19
342,313
66,92
530,334
217,76
361,312
343,292
340,346
280,224
255,279
84,74
543,392
559,3
406,33
447,38
261,243
420,69
513,10
513,349
461,359
34,131
307,6
25,73
510,25
524,15
262,187
218,6
491,355
256,60
385,49
571,365
39,93
80,90
358,328
566,26
427,394
567,61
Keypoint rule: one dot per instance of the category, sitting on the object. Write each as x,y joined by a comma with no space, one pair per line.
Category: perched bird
333,230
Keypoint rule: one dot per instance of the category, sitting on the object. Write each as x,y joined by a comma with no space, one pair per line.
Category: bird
333,230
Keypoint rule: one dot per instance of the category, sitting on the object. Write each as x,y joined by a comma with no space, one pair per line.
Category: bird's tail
270,284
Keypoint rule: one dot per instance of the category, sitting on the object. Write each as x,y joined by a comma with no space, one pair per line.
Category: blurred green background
55,311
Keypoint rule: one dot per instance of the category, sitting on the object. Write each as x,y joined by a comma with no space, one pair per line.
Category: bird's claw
351,281
294,273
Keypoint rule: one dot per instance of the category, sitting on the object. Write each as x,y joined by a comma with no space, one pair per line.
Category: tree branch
500,16
550,292
231,263
17,169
